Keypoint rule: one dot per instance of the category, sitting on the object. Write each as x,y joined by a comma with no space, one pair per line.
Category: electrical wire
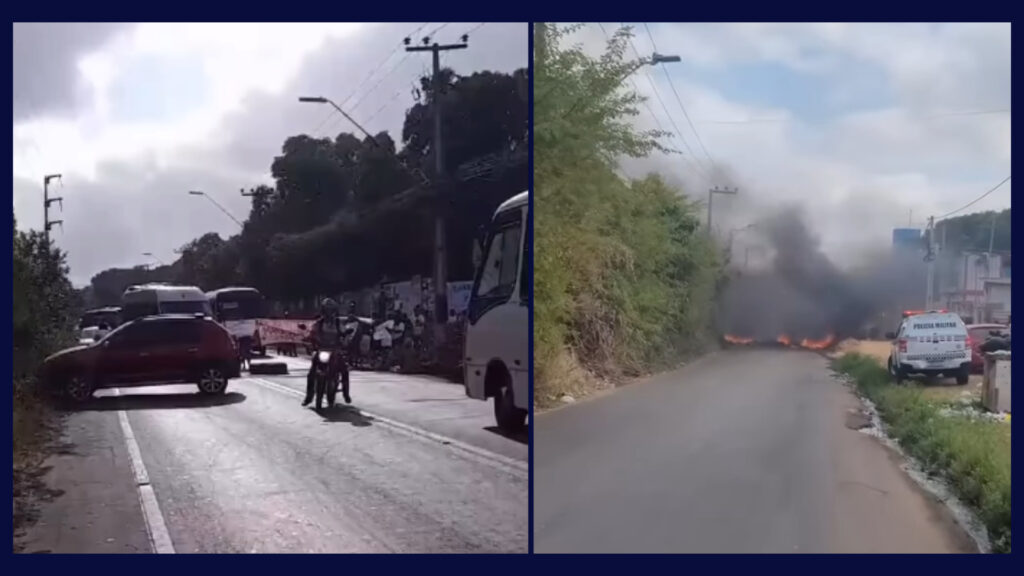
975,201
679,100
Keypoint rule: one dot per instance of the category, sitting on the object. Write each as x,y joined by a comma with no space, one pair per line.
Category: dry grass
35,431
565,376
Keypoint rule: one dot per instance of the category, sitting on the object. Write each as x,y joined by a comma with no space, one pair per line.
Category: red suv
149,351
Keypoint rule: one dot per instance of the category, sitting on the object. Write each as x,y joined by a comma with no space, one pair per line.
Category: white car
934,343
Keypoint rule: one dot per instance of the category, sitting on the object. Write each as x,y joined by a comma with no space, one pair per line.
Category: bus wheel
511,420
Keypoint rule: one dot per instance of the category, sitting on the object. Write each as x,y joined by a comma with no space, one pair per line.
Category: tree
623,280
349,212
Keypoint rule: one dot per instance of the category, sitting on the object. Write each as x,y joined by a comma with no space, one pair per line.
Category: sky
135,115
863,127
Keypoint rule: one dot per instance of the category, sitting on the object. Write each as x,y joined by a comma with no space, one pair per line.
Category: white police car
933,343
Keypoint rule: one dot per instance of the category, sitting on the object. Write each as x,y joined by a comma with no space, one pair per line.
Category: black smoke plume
803,294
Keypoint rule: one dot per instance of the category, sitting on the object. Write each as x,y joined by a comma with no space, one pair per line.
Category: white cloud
126,172
898,148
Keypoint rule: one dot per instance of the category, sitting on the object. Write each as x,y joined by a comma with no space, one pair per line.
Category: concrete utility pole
47,223
711,194
929,257
437,147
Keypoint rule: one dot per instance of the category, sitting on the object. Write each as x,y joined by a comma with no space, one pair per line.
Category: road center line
159,537
475,453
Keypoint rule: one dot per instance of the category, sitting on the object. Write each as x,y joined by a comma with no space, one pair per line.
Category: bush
624,280
972,455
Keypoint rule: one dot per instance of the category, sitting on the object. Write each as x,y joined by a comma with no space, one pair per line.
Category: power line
380,66
672,85
382,79
788,119
975,201
694,162
473,29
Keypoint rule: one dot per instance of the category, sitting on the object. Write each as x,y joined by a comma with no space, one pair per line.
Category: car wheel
78,388
510,419
962,376
213,380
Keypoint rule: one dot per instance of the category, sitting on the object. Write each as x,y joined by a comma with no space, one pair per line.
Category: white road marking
473,452
159,537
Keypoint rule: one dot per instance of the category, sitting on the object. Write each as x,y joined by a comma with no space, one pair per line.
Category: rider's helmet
329,307
352,307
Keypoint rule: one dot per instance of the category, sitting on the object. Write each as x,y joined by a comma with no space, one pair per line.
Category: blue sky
862,118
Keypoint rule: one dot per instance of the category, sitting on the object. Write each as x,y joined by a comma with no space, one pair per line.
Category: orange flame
784,340
737,339
818,344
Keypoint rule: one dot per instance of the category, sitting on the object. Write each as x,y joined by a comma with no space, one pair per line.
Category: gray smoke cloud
802,293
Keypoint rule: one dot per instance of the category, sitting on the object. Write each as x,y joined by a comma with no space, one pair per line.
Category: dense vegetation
349,212
44,309
972,232
973,455
624,278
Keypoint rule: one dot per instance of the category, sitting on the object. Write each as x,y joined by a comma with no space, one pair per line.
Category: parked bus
157,299
237,309
497,352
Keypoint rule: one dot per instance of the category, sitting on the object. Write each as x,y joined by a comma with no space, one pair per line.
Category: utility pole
929,257
711,194
47,223
437,147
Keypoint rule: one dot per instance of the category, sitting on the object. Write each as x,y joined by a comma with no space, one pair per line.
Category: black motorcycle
326,377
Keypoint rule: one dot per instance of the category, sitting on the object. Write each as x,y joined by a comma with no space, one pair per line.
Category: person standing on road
327,334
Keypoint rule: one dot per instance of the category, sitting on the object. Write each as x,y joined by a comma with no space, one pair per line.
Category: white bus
497,351
156,299
237,309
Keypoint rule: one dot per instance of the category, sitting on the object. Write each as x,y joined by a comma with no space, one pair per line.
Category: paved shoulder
88,501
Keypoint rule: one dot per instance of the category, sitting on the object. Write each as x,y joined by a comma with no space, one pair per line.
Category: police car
932,343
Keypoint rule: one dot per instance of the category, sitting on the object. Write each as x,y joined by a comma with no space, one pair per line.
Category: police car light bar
908,313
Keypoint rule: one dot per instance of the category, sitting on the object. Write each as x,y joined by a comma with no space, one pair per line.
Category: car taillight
903,344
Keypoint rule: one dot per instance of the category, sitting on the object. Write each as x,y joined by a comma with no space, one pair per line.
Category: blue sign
906,237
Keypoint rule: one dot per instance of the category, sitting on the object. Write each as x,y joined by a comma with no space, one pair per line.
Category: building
975,285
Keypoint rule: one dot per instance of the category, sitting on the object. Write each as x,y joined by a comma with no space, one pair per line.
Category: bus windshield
240,305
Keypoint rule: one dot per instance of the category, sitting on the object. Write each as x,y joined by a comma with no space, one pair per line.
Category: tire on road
76,389
212,380
268,368
511,420
898,374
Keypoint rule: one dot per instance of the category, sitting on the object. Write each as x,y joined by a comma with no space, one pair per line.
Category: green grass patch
972,455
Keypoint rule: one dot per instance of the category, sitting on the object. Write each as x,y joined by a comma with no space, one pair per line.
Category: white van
497,351
934,343
156,299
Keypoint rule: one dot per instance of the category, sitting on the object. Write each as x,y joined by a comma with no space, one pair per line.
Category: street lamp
217,204
153,256
322,100
711,194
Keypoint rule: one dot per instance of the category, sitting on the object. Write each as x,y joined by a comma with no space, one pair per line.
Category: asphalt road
410,467
745,451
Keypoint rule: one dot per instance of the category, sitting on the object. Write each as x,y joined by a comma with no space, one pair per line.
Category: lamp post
154,257
217,204
323,100
711,195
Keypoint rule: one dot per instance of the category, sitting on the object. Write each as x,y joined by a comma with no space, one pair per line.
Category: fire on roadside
822,344
785,340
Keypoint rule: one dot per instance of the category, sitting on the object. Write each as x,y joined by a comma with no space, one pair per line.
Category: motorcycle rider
327,333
